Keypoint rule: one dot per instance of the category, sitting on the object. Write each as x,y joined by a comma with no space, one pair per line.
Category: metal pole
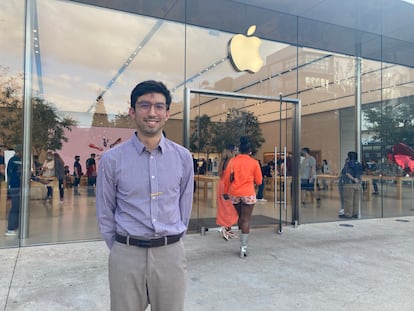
358,148
27,121
285,179
275,183
280,148
358,108
296,163
186,118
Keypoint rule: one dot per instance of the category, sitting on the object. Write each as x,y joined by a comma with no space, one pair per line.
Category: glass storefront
84,61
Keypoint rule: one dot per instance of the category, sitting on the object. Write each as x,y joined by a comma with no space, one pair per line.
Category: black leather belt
155,242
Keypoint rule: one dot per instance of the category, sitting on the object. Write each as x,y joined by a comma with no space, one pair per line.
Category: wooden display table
329,178
398,180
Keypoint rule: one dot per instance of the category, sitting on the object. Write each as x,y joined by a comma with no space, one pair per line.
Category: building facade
328,75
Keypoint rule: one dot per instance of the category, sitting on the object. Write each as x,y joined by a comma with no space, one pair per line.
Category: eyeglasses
146,106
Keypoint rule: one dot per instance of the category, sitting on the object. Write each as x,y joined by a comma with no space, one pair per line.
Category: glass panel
11,90
213,119
372,150
231,118
388,139
83,79
87,78
327,90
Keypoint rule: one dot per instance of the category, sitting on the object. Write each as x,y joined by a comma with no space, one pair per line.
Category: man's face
150,114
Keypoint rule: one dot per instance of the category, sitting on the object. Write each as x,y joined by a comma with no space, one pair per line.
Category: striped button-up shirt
144,194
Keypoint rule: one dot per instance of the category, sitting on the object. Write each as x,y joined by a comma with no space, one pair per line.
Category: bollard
279,231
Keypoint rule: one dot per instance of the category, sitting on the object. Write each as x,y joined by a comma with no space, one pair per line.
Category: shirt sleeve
187,190
106,201
313,168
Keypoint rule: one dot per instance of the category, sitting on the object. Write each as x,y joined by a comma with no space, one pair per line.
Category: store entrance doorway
235,114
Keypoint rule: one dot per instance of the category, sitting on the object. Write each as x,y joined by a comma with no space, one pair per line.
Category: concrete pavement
327,266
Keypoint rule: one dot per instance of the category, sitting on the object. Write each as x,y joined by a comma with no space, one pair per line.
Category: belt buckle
158,240
145,243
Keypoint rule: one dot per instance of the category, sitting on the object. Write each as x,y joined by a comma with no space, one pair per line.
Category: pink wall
84,141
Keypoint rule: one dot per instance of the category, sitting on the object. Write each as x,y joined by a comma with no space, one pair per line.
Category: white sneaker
11,233
341,212
243,251
261,200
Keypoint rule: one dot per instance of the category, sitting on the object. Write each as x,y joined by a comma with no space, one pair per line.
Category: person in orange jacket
226,213
243,173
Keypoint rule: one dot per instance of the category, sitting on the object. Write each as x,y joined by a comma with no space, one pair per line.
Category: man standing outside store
352,186
14,169
308,174
91,174
143,204
77,174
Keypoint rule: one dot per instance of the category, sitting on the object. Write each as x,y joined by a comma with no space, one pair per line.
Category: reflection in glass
81,99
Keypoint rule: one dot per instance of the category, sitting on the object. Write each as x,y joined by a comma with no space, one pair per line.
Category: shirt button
153,197
154,220
152,177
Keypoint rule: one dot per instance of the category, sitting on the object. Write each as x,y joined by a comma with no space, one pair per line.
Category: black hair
244,144
306,149
352,156
150,86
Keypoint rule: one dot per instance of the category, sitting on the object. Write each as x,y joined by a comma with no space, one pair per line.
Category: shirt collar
141,147
162,145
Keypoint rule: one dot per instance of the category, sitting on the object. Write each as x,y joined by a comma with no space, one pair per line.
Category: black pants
61,189
91,185
76,184
13,219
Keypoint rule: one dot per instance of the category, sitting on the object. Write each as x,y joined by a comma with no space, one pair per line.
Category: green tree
239,123
208,136
393,123
10,106
202,135
48,128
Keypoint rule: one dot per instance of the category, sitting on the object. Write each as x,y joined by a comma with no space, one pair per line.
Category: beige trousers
141,276
352,196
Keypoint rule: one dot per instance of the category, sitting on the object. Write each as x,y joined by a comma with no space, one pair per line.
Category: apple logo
244,51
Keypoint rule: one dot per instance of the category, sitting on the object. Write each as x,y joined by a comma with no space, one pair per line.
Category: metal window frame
296,133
